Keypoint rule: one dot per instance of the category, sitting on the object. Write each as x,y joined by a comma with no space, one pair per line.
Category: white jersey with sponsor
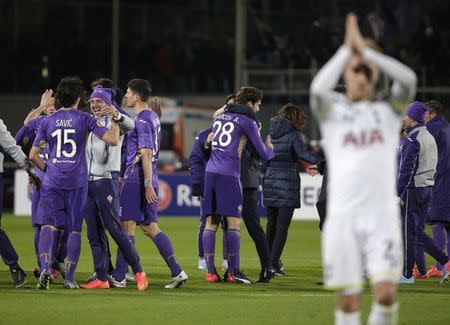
362,230
360,141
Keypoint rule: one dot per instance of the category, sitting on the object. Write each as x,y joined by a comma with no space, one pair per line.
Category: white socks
341,318
379,315
383,315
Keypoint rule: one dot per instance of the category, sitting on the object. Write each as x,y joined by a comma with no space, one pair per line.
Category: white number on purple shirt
58,134
155,151
225,135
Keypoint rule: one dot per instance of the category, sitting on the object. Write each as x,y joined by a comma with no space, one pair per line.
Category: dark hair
248,94
69,90
104,82
108,83
140,87
230,97
294,114
434,107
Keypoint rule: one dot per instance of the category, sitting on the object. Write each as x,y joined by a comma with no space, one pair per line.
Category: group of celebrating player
78,172
78,159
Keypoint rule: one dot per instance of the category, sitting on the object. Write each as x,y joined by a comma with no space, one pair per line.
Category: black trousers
250,214
278,222
322,211
7,251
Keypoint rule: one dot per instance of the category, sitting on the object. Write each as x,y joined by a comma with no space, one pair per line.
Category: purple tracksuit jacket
440,200
197,163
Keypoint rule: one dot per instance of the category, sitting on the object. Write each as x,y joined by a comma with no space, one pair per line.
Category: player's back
65,133
146,134
360,142
229,135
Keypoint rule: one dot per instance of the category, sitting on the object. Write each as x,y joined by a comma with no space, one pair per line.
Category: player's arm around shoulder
251,130
109,136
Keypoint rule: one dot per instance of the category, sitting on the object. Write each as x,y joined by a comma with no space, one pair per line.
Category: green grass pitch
295,299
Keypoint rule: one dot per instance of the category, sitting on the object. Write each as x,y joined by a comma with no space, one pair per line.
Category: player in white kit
362,232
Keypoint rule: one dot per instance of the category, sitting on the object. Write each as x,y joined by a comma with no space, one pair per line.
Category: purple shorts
36,215
222,195
134,206
63,208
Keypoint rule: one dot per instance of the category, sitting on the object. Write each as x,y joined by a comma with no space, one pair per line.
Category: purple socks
166,250
45,247
121,263
201,229
55,243
73,254
209,247
37,233
224,244
234,247
441,236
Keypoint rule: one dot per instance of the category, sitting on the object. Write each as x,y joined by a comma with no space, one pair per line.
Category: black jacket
281,182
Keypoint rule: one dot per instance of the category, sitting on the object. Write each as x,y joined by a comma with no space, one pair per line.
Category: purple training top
230,132
146,134
64,134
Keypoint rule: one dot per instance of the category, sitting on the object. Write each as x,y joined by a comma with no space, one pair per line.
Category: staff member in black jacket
281,182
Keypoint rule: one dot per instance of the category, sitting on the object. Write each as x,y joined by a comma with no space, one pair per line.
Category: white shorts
356,245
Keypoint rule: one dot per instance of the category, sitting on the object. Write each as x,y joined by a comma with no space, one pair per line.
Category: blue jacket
197,163
418,160
281,182
440,200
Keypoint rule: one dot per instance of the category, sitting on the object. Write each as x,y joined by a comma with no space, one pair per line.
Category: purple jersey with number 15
230,131
64,133
146,134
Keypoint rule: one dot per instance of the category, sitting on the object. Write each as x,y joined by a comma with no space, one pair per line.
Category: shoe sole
117,286
240,281
444,278
21,284
46,287
179,284
71,288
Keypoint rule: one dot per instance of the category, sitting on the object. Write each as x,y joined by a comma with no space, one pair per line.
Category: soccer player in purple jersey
200,154
139,195
222,187
25,135
64,190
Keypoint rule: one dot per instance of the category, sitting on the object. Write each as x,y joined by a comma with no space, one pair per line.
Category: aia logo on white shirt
363,138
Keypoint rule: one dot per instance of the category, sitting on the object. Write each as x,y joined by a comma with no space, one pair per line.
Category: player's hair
108,83
104,82
248,94
69,90
141,87
294,114
435,107
230,97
